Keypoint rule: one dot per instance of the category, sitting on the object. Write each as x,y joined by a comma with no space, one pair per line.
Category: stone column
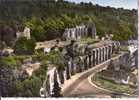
85,62
56,86
51,83
76,34
67,71
80,32
65,74
70,68
101,54
88,61
98,53
105,53
83,32
97,56
118,43
86,31
112,48
79,65
54,81
68,33
110,51
91,58
103,57
82,64
61,76
118,46
94,57
115,46
73,32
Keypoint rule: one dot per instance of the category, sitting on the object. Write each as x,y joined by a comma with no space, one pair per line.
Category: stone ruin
24,33
79,32
78,58
9,35
51,85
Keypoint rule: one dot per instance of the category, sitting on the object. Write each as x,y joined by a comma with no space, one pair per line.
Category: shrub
24,46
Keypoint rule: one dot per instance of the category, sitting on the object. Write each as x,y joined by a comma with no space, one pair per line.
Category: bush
24,46
29,87
8,62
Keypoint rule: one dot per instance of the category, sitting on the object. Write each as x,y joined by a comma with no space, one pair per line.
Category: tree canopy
48,18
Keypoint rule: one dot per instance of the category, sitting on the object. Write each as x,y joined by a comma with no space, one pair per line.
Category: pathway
79,86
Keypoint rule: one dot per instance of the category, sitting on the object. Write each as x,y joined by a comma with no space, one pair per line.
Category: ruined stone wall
90,59
79,32
87,59
25,33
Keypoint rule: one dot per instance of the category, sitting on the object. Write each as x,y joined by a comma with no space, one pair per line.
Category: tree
24,46
37,28
29,87
54,27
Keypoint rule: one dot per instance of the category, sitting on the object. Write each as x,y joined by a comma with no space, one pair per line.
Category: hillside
49,17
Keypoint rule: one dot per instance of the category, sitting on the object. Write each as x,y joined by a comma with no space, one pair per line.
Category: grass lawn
88,40
124,48
97,80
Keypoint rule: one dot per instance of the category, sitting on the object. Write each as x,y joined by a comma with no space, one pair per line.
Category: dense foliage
48,18
11,81
24,46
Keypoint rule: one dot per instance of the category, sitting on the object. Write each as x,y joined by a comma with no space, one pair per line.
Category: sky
127,4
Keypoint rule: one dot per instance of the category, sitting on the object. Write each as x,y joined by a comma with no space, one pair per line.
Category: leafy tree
37,28
24,46
48,18
29,87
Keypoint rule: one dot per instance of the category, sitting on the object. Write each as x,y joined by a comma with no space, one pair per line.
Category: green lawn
96,79
124,48
88,40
